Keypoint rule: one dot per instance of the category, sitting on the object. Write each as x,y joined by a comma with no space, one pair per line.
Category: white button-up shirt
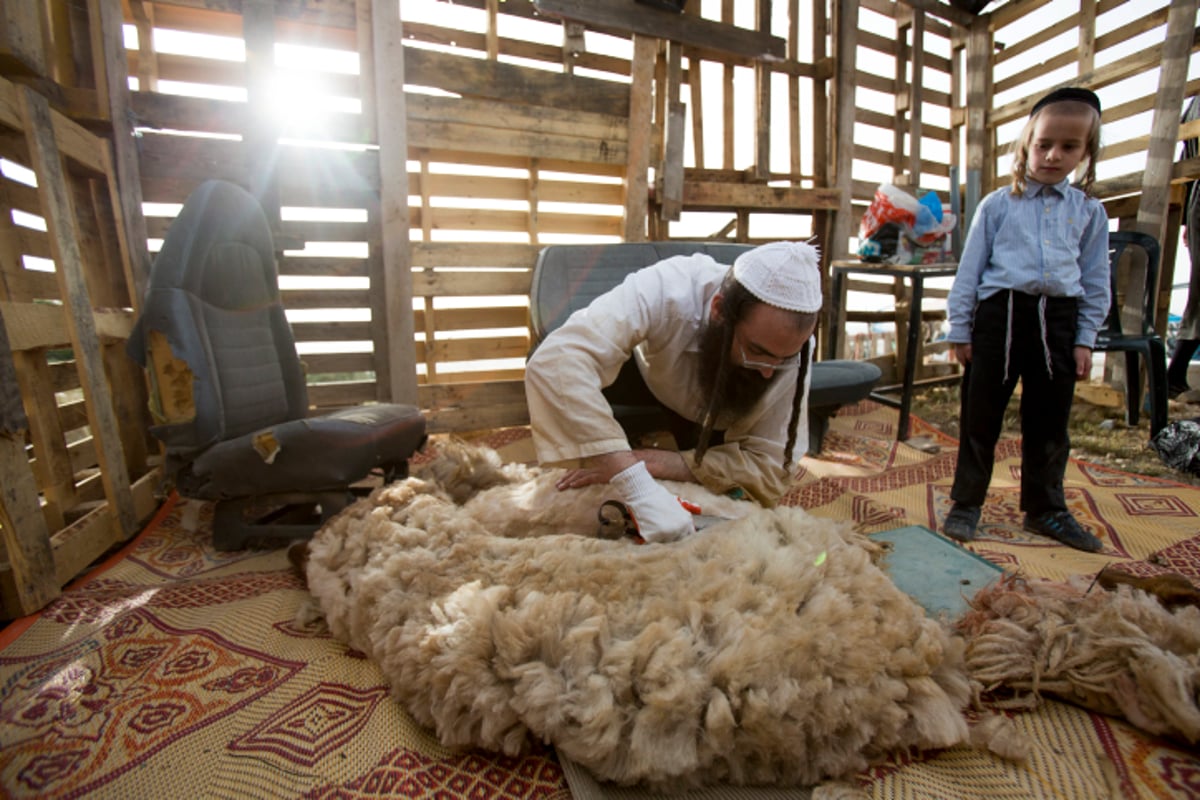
657,316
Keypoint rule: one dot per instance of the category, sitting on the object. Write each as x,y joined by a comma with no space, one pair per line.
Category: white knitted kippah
784,274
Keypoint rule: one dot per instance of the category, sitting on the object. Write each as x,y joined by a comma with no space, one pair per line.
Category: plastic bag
1178,445
897,228
891,204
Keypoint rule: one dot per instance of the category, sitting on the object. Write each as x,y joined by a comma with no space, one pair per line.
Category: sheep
766,650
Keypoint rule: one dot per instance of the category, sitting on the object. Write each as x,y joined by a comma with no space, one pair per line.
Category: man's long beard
742,388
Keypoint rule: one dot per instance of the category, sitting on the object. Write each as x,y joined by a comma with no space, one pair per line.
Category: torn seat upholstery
228,389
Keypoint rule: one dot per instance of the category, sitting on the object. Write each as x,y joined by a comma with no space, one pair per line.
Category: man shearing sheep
724,351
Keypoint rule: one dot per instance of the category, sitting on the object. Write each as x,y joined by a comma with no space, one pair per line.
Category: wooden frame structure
435,155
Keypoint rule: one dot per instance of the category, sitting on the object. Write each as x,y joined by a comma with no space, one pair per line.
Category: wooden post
64,247
979,92
1087,37
492,37
23,528
391,111
112,86
794,117
147,66
645,53
762,103
261,137
821,128
900,93
727,107
1164,129
916,97
670,196
847,40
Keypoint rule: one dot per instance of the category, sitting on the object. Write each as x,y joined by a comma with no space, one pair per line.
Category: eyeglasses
791,362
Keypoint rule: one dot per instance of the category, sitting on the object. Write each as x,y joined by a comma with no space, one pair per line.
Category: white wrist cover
657,512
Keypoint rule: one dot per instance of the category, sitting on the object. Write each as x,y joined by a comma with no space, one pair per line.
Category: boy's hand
962,352
1083,362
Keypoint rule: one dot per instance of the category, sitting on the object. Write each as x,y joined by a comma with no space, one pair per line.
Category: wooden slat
701,195
470,219
519,117
464,283
484,187
332,331
641,109
479,78
470,254
451,350
472,406
492,140
394,267
469,319
38,325
47,164
119,157
326,363
638,19
844,46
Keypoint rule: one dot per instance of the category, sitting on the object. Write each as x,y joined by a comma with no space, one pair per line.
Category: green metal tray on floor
934,571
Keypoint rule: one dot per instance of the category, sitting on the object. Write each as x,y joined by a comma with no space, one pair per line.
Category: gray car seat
228,388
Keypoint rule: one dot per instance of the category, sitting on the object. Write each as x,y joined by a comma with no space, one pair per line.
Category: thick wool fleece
1120,653
766,650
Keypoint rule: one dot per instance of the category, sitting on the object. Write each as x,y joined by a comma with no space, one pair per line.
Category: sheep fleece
764,650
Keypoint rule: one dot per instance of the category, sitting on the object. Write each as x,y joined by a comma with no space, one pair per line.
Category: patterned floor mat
176,670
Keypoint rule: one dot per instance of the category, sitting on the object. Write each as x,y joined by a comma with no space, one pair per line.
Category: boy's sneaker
961,522
1060,525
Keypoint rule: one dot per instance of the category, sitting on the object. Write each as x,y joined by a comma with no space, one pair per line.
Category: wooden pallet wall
74,448
503,157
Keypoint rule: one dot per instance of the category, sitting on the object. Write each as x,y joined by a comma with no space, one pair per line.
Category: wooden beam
261,135
916,97
762,101
392,114
645,53
642,20
847,27
1164,130
670,194
125,181
979,161
60,222
758,197
946,12
496,80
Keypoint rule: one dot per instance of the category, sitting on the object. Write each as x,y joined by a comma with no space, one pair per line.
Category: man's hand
657,512
962,352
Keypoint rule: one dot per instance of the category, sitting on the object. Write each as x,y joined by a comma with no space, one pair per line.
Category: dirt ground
1098,434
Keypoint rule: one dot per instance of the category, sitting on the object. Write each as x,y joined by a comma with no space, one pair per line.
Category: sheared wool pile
1119,652
765,650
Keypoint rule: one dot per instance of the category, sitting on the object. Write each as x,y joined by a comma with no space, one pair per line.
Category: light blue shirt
1051,240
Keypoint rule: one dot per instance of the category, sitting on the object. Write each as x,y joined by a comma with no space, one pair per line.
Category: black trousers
1046,396
639,412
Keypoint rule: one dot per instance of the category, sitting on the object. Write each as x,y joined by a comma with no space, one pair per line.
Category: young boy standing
1030,294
